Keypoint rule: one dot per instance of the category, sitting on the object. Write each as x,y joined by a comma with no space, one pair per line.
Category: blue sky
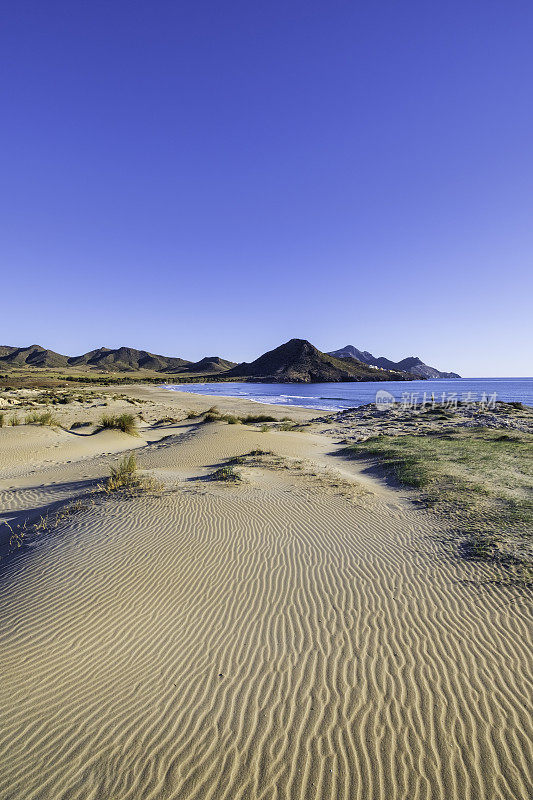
217,177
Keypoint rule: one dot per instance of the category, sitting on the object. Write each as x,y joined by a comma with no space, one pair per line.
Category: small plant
14,420
165,421
2,416
125,476
123,422
265,428
80,425
228,474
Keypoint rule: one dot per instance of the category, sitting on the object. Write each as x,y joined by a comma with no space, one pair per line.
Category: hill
412,364
127,359
32,356
208,365
298,361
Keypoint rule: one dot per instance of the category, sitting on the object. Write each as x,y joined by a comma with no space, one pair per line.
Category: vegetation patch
288,425
228,474
214,415
121,422
125,477
46,418
481,479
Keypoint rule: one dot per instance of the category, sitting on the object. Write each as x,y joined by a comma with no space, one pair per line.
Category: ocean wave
303,397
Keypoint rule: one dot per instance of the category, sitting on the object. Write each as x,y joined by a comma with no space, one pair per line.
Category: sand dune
268,640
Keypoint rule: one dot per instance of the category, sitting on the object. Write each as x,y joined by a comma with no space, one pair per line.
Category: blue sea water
338,396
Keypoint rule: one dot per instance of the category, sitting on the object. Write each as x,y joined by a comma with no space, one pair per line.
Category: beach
302,632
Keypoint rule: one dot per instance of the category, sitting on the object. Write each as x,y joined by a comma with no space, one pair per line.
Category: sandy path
270,640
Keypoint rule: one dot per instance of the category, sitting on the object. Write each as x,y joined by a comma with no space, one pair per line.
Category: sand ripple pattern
238,644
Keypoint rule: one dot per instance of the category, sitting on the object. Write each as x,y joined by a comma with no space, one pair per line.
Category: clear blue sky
200,178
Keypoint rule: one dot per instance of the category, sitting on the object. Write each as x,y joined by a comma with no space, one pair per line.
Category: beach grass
126,477
122,422
45,418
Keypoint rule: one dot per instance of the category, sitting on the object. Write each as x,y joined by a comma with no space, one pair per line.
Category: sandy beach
303,633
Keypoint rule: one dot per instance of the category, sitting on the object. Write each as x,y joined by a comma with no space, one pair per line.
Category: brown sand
269,640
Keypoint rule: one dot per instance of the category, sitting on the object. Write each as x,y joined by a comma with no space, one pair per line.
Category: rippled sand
275,639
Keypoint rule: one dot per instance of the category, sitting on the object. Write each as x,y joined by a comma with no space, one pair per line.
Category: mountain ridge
106,359
294,361
412,364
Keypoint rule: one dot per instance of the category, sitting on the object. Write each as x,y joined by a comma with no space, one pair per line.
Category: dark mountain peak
298,361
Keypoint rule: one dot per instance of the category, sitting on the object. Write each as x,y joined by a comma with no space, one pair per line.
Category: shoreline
361,394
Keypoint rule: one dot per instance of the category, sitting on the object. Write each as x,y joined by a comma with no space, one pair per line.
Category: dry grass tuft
45,418
121,422
125,477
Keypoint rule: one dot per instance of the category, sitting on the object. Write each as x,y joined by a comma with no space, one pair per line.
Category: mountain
32,356
412,365
104,359
127,359
298,361
207,365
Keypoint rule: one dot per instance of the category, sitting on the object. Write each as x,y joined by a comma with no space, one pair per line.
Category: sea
339,396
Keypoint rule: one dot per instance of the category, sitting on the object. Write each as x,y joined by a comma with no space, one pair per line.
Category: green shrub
228,474
14,420
2,420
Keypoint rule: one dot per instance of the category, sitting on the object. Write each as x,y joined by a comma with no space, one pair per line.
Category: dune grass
45,418
126,477
121,422
2,417
214,415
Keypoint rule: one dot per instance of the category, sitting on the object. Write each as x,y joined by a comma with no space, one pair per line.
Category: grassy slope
481,479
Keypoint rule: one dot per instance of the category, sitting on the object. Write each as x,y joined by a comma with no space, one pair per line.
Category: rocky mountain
208,365
127,359
32,356
298,361
412,364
